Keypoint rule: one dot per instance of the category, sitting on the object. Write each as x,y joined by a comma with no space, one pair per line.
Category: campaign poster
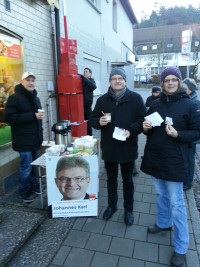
72,185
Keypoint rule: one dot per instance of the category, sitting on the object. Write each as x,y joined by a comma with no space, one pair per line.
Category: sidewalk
97,243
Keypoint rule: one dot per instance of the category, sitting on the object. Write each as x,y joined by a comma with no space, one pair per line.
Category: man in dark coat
156,90
127,112
89,86
22,114
166,158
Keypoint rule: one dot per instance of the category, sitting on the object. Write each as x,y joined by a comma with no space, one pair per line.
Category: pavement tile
61,255
99,242
147,219
126,262
102,201
141,207
79,223
115,229
153,264
121,247
146,251
137,196
143,188
160,238
120,193
190,229
148,182
153,209
136,232
79,258
192,259
165,254
103,192
76,238
148,198
94,225
135,214
105,260
192,242
138,180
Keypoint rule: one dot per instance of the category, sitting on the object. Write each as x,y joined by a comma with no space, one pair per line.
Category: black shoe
28,197
36,189
178,260
154,229
186,187
128,218
108,213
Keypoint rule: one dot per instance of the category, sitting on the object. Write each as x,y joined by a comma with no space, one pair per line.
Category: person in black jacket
89,86
166,158
156,90
22,114
127,112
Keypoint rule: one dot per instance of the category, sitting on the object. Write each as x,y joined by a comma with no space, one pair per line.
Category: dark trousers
191,162
112,183
87,113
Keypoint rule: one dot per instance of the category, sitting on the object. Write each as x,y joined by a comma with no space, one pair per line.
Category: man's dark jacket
166,157
20,114
127,113
89,86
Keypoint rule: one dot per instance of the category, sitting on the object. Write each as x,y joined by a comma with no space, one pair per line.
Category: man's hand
39,116
147,125
103,121
171,131
127,134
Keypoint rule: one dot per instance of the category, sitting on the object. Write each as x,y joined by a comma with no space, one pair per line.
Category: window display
11,68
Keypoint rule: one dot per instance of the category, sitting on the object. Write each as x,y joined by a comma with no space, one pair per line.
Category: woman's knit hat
170,71
191,84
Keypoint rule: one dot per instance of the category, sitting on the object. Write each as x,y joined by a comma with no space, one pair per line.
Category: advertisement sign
9,47
186,41
72,185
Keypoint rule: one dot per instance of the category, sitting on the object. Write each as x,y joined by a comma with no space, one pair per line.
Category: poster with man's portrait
72,185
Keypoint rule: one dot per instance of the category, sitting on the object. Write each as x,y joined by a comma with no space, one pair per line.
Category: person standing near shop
166,158
22,114
156,90
89,86
127,111
191,88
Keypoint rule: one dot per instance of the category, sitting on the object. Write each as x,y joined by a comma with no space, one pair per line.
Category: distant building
163,46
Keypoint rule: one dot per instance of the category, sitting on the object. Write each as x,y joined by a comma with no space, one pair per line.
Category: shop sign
10,47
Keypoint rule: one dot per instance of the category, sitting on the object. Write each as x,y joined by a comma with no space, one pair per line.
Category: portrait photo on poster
72,185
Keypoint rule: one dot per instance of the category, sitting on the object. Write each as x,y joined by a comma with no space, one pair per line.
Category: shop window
11,68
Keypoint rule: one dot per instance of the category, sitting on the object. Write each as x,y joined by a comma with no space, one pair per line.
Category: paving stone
103,192
192,258
141,207
99,242
137,196
120,193
165,254
138,180
146,251
79,258
103,201
79,223
136,232
148,198
76,238
147,219
61,255
192,242
151,264
160,238
126,262
115,229
94,225
121,247
143,188
105,260
153,209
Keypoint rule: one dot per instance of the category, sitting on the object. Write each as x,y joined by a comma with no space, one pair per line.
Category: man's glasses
117,79
76,179
173,80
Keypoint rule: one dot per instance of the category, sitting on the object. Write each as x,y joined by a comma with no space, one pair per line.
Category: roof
168,37
129,11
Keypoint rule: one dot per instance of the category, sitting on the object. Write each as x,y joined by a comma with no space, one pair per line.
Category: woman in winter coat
166,158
